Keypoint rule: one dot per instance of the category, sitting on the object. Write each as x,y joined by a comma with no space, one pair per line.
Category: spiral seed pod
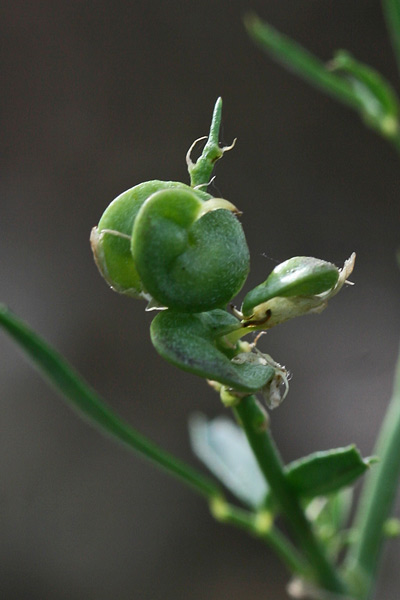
111,239
173,245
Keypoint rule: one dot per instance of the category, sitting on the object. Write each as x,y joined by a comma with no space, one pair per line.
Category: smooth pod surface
298,276
193,343
187,259
111,241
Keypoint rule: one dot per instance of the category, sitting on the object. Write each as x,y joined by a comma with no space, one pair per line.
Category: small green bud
299,286
391,527
298,276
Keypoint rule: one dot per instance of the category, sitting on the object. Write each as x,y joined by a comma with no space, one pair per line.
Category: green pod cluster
174,245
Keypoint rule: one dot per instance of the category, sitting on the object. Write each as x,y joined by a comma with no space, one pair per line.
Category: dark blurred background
99,96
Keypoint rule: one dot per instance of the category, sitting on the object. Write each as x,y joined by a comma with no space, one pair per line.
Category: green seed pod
298,276
173,245
111,239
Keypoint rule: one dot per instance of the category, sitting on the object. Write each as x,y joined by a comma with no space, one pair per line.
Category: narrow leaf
322,473
391,9
380,105
296,58
83,398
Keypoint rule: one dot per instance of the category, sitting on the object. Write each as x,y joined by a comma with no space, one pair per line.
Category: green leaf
298,59
329,516
84,399
194,343
322,473
379,103
330,513
298,276
367,92
223,447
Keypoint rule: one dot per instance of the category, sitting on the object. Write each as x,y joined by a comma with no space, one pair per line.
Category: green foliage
366,91
185,252
352,83
323,473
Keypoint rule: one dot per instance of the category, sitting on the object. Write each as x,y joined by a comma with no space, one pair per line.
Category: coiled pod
173,245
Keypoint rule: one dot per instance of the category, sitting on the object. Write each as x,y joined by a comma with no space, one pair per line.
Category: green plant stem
248,521
255,424
395,140
83,398
391,10
377,497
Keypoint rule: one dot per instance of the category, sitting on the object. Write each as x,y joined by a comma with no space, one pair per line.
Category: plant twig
378,497
261,526
255,424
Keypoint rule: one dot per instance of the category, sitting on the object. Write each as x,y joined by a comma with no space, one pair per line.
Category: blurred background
97,97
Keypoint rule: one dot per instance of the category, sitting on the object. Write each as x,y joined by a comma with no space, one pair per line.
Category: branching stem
252,418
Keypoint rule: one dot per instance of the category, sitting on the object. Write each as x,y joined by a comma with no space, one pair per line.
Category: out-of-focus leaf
379,102
354,84
296,58
222,446
322,473
329,515
391,9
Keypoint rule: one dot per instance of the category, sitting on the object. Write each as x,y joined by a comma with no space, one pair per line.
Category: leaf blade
325,472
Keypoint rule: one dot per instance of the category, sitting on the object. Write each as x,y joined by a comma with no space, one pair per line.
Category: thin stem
200,171
391,11
261,526
255,425
84,399
378,497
